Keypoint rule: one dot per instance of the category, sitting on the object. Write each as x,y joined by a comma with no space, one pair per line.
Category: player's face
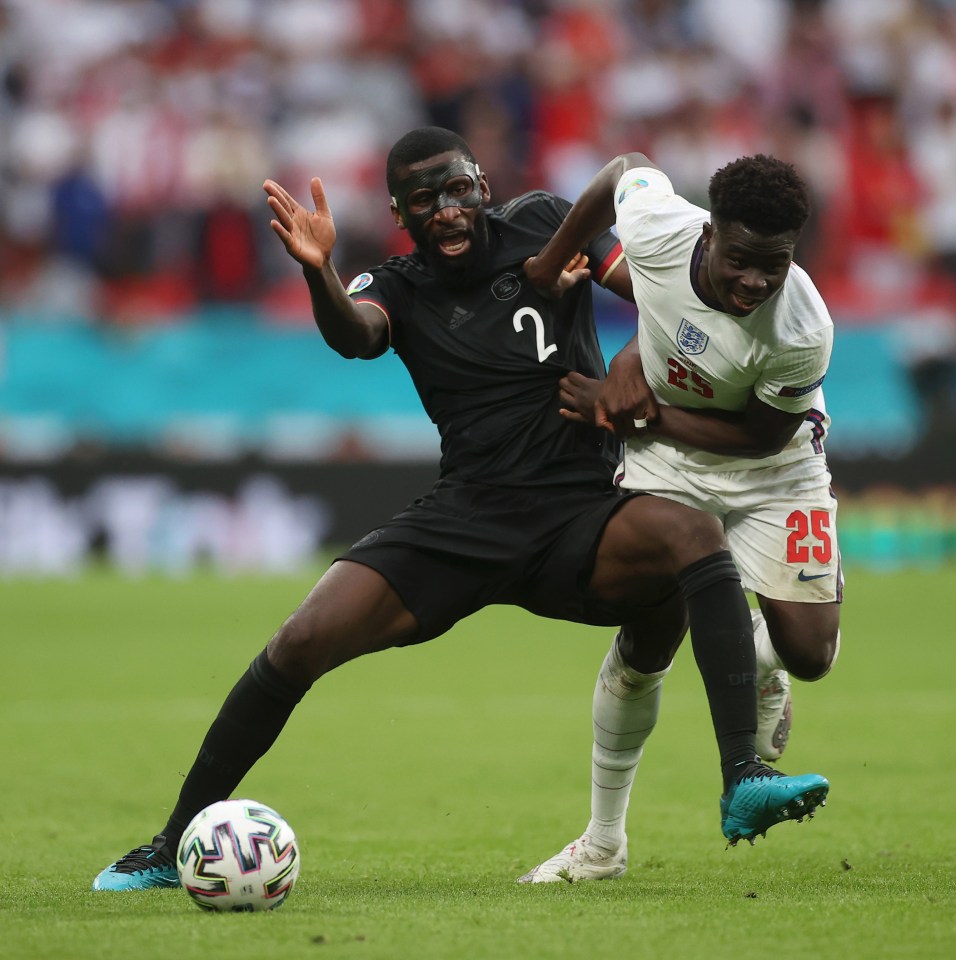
440,201
741,269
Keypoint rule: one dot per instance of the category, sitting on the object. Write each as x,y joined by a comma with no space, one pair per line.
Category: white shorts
780,521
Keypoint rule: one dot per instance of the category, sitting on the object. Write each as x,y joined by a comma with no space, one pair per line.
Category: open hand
307,236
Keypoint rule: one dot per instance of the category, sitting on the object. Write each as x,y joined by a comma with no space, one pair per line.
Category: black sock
722,636
251,718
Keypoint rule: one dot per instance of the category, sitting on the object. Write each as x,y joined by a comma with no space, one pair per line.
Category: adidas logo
459,316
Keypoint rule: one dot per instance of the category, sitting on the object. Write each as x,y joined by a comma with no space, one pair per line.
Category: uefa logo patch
638,183
362,281
690,340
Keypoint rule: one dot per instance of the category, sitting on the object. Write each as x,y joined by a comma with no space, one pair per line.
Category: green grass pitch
421,782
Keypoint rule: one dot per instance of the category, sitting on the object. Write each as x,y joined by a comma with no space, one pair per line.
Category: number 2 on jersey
543,351
817,526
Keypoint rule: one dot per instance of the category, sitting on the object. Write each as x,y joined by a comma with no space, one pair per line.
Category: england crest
690,340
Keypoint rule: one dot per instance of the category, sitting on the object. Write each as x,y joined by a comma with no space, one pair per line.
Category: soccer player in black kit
524,512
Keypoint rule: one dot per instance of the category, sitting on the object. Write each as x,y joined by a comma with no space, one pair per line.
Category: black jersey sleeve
389,288
544,212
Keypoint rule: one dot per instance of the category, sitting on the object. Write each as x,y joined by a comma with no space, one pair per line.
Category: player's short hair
420,144
763,193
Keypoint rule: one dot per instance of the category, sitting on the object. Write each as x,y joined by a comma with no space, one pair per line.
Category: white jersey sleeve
641,196
792,373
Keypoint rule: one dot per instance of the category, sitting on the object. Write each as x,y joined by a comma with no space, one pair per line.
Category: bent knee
813,662
295,648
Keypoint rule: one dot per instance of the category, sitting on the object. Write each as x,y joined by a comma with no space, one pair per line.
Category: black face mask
436,180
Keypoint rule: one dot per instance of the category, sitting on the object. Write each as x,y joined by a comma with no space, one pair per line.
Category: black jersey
486,357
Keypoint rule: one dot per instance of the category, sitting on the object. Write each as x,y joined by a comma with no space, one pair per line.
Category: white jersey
696,356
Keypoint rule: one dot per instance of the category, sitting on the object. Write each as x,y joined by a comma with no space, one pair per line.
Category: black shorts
465,546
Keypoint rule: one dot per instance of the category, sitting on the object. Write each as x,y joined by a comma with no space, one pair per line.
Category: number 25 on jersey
679,376
814,527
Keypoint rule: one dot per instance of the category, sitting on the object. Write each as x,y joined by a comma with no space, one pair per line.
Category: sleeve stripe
610,262
375,303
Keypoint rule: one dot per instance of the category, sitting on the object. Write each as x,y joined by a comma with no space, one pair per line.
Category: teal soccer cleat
144,868
766,797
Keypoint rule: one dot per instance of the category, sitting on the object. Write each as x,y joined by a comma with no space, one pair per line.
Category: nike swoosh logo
810,576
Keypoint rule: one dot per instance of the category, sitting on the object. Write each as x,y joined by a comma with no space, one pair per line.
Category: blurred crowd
136,133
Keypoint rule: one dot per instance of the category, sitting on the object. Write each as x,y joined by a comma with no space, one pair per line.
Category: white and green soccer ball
238,855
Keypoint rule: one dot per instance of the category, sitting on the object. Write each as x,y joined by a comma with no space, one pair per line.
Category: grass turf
421,782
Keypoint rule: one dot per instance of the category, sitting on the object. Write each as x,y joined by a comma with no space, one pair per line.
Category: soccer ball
238,855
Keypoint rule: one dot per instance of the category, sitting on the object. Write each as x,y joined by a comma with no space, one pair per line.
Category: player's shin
250,720
624,712
722,636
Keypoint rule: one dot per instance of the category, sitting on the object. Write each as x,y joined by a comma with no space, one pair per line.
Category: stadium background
165,401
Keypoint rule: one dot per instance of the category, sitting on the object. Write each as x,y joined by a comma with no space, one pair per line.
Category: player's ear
484,188
708,234
396,216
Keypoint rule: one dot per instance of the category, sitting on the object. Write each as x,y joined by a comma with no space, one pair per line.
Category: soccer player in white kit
720,403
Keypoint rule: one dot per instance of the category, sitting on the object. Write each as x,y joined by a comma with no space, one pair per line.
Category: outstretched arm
592,213
308,237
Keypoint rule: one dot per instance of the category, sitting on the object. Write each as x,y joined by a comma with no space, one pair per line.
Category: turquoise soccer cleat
755,803
144,868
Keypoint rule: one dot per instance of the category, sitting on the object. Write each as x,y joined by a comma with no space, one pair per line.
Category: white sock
767,659
624,712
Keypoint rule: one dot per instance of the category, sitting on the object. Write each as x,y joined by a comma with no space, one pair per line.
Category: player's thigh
804,635
351,611
783,539
650,539
573,572
782,533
